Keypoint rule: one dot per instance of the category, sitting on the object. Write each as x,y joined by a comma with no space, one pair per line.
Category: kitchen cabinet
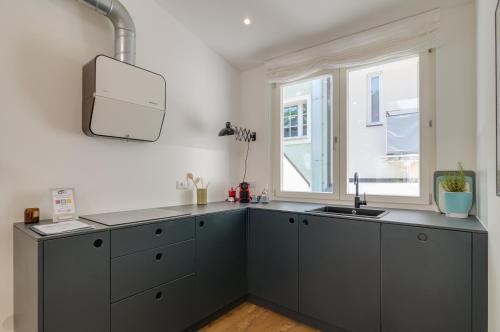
426,280
339,272
333,273
273,257
134,273
221,260
76,283
166,308
128,240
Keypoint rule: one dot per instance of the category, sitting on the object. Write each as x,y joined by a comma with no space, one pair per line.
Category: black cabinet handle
422,237
159,256
202,223
158,231
159,295
291,220
98,243
305,222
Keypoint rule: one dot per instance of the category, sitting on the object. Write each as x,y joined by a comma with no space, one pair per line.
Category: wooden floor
249,317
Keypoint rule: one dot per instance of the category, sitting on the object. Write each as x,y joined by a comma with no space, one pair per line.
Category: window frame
427,87
369,76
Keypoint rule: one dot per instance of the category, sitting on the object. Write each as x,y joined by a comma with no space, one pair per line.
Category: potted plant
457,197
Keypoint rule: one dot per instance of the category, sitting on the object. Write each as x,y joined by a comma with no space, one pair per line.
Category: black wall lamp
241,134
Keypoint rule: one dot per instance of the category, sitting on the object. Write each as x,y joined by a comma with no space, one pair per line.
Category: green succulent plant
455,182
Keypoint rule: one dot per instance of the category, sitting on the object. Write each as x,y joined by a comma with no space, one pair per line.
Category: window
374,106
295,118
306,151
387,157
367,119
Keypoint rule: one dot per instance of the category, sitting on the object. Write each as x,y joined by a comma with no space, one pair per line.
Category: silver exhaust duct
123,24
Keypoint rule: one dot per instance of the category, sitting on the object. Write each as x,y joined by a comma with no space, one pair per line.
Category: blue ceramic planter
457,204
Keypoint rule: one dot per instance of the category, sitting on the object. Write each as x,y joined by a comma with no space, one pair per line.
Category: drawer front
134,273
131,239
167,308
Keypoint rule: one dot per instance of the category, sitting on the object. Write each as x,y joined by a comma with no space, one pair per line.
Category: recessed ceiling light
247,21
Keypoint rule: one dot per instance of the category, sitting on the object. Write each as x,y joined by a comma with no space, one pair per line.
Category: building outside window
306,158
385,156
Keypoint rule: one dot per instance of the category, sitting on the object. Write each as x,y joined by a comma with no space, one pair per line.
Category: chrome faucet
357,200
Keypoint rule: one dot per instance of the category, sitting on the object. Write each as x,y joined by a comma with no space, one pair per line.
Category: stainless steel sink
350,211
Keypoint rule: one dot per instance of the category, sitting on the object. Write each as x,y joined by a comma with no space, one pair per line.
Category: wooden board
249,317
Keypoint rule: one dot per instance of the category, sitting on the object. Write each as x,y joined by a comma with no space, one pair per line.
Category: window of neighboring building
295,118
374,102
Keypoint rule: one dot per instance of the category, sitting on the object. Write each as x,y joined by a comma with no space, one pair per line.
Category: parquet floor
249,317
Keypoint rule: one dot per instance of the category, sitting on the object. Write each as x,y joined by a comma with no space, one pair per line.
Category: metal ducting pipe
124,27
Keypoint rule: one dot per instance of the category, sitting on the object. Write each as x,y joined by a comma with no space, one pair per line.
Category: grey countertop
395,216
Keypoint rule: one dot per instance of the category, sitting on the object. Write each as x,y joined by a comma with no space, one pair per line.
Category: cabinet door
339,272
273,257
426,280
221,260
76,283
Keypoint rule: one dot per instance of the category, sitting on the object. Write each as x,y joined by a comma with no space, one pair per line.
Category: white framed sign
63,204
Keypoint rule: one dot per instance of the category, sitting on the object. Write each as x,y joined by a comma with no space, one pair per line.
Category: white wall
489,203
455,100
456,89
255,115
44,46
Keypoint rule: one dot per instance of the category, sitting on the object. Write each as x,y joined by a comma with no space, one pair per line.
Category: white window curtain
400,38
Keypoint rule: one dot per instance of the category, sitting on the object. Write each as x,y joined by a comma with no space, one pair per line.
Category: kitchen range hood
119,99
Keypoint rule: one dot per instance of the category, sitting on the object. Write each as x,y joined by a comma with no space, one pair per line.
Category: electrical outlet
182,185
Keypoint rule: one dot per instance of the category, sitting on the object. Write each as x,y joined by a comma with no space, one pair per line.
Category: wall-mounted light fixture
241,134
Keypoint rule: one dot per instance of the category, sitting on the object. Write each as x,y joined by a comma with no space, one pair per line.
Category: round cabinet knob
422,237
159,295
291,220
98,243
305,222
158,231
158,256
202,223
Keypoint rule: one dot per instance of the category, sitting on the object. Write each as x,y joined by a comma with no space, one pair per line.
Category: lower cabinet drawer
143,270
167,308
128,240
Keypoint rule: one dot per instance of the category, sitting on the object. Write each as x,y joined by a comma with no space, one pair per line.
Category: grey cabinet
146,269
166,308
128,240
76,283
221,260
273,257
333,273
426,280
339,272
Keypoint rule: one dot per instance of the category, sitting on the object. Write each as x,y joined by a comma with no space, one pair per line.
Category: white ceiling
282,26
